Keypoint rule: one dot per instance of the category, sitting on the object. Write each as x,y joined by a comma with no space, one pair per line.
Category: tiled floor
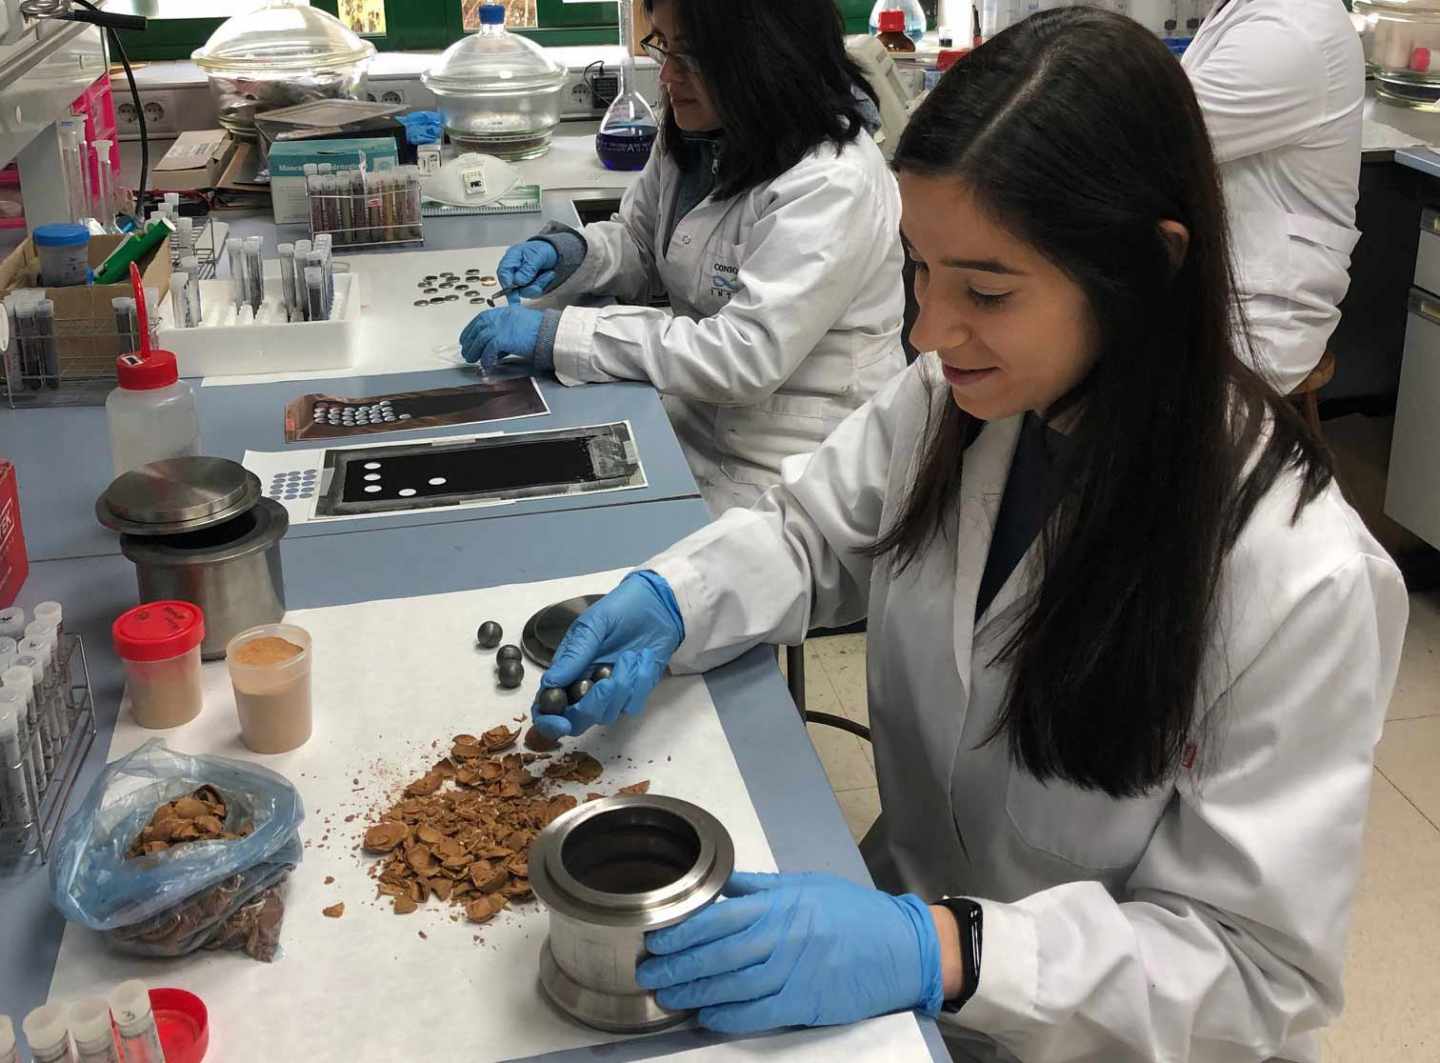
1393,972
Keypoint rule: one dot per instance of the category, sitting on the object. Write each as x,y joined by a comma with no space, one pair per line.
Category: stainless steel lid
178,495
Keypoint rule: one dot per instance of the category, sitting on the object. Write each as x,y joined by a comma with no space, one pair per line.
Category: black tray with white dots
360,481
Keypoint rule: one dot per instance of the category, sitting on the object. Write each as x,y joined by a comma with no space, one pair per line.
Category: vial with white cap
39,666
139,1039
9,1053
16,798
48,1034
20,679
12,623
52,613
8,645
93,1031
48,694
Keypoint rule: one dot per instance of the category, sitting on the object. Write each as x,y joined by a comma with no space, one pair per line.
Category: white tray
220,349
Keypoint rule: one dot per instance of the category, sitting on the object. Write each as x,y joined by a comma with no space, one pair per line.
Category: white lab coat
1282,85
1204,922
788,302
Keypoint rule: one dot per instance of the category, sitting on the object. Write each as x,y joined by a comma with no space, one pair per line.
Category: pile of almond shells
461,833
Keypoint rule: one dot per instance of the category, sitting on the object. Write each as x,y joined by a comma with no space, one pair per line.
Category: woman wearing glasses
769,218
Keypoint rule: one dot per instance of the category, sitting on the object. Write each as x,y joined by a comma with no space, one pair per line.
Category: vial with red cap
152,413
159,645
892,31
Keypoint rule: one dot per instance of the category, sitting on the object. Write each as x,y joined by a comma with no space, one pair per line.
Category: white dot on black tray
372,489
437,481
406,492
372,465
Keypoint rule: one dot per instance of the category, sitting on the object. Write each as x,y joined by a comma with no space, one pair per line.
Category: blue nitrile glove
511,332
636,628
422,127
797,950
530,265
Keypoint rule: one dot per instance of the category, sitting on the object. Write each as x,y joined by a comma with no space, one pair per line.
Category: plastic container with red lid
183,1023
159,644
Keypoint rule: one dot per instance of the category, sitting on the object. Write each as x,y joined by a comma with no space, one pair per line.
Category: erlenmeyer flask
628,130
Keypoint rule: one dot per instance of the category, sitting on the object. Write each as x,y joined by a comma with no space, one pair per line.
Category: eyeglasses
687,63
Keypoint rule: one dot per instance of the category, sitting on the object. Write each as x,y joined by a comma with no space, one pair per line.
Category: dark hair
780,78
1079,132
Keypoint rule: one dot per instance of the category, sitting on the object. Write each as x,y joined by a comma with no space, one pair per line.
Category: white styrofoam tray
220,349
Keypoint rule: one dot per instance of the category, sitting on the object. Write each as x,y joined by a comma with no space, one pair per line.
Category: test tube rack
32,376
221,346
20,847
357,208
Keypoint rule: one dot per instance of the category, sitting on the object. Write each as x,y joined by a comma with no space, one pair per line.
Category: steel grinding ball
511,673
508,653
489,635
578,689
605,671
552,702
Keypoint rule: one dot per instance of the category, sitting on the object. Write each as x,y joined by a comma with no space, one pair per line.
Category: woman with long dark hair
1129,647
769,219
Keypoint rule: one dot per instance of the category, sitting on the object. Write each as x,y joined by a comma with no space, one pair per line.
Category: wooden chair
1307,395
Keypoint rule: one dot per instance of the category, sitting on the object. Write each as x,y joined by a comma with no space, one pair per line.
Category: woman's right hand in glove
530,268
636,629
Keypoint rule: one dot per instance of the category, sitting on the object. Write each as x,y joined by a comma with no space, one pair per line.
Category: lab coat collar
986,466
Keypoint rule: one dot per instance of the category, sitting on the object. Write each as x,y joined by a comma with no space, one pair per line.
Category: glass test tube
94,1033
49,349
104,186
287,280
74,163
20,679
255,271
139,1039
180,300
235,255
314,293
47,693
49,1035
191,266
17,797
36,708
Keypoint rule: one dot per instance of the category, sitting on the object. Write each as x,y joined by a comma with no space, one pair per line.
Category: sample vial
9,1053
49,1035
139,1039
12,623
40,721
53,614
93,1031
21,679
16,798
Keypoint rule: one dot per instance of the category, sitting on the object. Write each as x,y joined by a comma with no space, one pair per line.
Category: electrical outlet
391,95
161,117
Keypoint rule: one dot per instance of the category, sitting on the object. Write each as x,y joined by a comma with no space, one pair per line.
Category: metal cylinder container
198,530
609,871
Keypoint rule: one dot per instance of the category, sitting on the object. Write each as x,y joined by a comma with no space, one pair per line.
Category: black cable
139,117
826,719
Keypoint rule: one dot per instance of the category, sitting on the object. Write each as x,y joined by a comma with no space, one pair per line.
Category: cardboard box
14,562
640,26
86,340
288,161
196,160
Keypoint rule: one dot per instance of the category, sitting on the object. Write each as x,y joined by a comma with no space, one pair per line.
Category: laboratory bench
62,461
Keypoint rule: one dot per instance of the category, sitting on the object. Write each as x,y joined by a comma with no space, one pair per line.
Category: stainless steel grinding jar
609,871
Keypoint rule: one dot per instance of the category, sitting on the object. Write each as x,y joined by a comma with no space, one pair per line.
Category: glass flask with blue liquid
628,130
914,17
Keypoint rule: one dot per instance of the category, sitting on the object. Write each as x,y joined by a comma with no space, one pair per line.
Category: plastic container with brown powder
270,671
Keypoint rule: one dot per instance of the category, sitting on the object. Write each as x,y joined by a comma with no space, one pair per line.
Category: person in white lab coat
1282,85
768,217
1129,648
